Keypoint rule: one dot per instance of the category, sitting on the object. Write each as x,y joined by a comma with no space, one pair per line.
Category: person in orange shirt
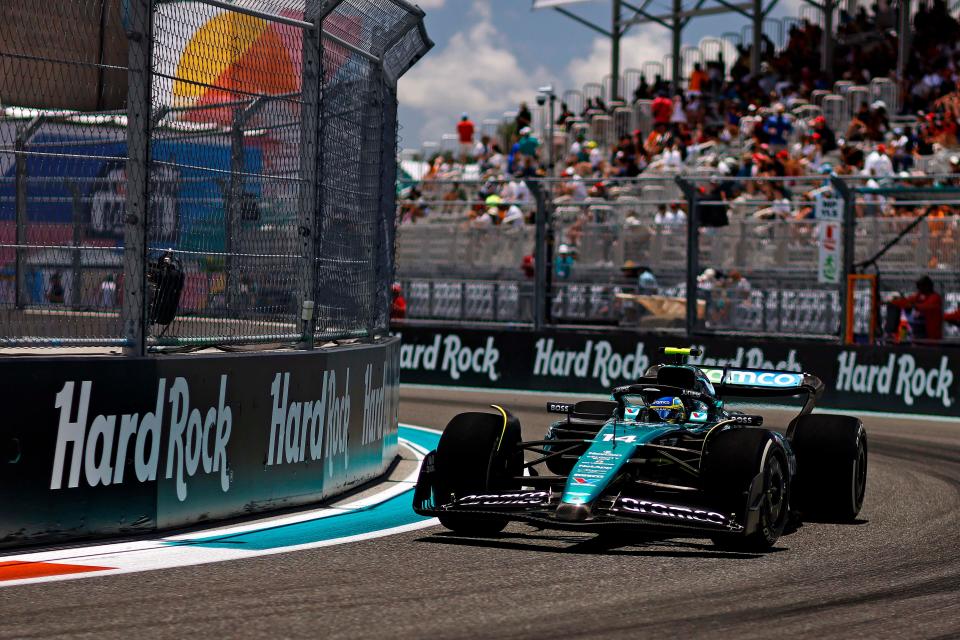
698,78
926,321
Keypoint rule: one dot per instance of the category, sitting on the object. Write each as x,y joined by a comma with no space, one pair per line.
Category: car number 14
608,437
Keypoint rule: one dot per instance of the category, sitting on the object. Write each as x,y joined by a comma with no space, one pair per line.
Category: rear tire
476,453
732,460
831,455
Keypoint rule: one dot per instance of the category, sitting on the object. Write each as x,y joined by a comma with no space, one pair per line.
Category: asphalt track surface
894,574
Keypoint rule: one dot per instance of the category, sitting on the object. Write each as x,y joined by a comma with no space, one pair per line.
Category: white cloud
642,44
476,72
432,4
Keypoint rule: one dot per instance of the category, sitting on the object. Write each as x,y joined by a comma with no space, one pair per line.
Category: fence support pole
849,241
542,257
20,177
310,195
693,250
386,260
139,64
234,206
76,261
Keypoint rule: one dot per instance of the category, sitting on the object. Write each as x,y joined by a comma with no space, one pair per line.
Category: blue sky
490,54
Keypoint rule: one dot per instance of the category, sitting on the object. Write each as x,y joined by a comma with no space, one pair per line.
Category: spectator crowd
760,147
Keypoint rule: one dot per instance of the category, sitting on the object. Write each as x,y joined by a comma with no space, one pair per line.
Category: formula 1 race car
663,457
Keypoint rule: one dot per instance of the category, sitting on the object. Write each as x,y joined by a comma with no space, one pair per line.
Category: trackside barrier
922,380
107,446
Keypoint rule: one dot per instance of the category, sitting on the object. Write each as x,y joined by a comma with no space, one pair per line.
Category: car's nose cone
573,512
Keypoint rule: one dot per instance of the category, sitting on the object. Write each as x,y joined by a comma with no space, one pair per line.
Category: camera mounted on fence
165,280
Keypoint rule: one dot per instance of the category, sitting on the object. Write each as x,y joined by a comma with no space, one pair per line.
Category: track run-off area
366,566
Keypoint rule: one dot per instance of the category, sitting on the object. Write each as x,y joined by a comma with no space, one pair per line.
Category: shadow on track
602,544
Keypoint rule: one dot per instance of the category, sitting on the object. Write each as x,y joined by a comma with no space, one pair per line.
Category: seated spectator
398,305
778,126
675,215
661,109
823,135
510,215
878,163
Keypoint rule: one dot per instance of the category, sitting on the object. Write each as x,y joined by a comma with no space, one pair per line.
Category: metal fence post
139,64
235,203
693,250
20,177
76,261
542,256
388,197
310,173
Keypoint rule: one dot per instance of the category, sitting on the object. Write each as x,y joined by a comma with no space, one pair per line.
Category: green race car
664,457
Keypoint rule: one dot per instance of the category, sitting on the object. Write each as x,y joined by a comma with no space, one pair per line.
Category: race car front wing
539,507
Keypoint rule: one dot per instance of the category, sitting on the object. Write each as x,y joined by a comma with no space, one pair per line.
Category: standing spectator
465,132
926,310
698,79
55,293
108,292
524,117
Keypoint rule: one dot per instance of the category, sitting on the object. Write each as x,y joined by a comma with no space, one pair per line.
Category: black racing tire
477,452
831,453
731,461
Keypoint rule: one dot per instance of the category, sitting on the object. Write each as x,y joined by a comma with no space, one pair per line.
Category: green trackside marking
394,512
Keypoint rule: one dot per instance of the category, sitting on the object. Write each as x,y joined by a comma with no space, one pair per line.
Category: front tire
476,453
734,460
831,455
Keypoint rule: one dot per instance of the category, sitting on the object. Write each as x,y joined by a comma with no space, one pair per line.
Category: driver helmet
670,409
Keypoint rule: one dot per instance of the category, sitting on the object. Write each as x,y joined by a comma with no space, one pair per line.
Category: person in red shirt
953,317
465,131
661,109
926,321
398,306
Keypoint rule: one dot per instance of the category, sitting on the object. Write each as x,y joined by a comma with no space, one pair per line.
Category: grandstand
761,153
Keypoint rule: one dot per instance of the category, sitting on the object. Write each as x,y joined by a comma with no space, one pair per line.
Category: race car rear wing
765,383
755,383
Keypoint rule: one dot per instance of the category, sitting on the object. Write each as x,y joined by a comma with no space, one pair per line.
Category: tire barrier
108,446
919,380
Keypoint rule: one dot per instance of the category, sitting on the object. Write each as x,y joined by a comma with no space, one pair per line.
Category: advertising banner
95,446
897,379
829,216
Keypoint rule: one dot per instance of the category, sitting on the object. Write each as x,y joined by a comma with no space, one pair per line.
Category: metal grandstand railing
205,173
767,259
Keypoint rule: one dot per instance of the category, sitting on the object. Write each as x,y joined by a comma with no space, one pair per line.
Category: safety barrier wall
914,380
106,446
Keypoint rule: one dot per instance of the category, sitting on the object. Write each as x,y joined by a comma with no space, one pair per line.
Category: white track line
158,553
